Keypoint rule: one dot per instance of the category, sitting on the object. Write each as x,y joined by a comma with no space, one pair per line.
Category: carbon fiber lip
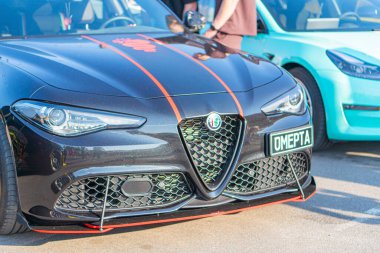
181,215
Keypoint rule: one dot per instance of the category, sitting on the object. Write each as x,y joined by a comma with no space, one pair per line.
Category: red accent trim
232,94
306,199
108,228
68,232
146,223
146,72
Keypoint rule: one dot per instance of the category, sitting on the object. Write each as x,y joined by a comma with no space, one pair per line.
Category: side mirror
194,21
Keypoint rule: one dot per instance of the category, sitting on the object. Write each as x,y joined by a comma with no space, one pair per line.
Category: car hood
138,66
364,45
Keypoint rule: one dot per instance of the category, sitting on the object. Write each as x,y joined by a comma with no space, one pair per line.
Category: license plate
290,141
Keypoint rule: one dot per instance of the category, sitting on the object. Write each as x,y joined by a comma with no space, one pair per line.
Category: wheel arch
290,65
22,225
293,64
324,142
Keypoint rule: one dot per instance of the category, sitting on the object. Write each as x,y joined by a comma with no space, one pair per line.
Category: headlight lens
70,121
292,102
353,66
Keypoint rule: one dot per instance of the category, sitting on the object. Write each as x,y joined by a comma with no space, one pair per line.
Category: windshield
322,15
61,17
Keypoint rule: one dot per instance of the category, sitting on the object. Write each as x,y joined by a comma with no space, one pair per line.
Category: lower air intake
268,174
88,194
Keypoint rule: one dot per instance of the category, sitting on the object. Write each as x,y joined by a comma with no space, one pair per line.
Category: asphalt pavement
344,216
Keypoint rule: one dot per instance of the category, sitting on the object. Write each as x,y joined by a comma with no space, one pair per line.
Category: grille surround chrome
128,203
197,138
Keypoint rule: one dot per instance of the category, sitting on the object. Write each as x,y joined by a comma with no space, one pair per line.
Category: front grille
88,194
211,152
267,174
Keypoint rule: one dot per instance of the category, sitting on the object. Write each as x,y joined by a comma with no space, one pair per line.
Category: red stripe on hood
228,89
146,72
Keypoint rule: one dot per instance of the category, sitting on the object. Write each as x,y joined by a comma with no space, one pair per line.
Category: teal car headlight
353,66
71,121
292,102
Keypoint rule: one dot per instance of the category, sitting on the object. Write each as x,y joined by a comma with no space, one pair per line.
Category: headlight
292,102
70,121
353,66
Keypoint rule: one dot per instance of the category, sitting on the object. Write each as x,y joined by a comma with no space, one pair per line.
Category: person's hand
201,57
210,34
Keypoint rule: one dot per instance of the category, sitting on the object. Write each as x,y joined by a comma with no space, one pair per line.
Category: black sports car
115,115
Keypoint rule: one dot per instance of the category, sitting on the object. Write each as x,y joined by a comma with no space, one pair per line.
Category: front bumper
340,92
48,165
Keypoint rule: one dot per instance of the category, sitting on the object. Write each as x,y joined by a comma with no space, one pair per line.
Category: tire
8,187
321,141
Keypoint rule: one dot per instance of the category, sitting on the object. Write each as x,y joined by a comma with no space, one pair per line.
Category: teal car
333,48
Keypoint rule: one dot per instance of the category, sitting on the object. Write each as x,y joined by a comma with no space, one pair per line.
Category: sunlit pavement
344,216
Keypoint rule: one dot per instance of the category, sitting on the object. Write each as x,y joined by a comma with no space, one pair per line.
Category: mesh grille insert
267,174
211,151
88,194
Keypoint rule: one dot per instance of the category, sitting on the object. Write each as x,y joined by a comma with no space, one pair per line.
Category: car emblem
214,122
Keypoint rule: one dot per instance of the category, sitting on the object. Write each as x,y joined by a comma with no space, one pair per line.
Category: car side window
10,22
47,20
261,26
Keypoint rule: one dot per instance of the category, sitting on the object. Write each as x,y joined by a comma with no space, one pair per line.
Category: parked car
331,46
114,115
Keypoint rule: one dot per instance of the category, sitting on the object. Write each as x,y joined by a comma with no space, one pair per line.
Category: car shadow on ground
361,162
348,163
336,204
361,165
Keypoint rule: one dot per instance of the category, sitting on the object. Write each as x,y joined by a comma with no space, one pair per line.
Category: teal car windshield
24,18
325,15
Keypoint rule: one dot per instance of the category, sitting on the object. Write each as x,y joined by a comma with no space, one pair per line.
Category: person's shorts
229,40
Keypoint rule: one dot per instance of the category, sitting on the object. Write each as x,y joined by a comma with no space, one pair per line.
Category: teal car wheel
321,140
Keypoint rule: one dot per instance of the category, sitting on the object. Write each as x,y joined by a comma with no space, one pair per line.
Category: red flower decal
137,44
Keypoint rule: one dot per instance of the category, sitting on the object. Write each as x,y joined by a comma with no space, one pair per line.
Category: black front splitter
178,216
